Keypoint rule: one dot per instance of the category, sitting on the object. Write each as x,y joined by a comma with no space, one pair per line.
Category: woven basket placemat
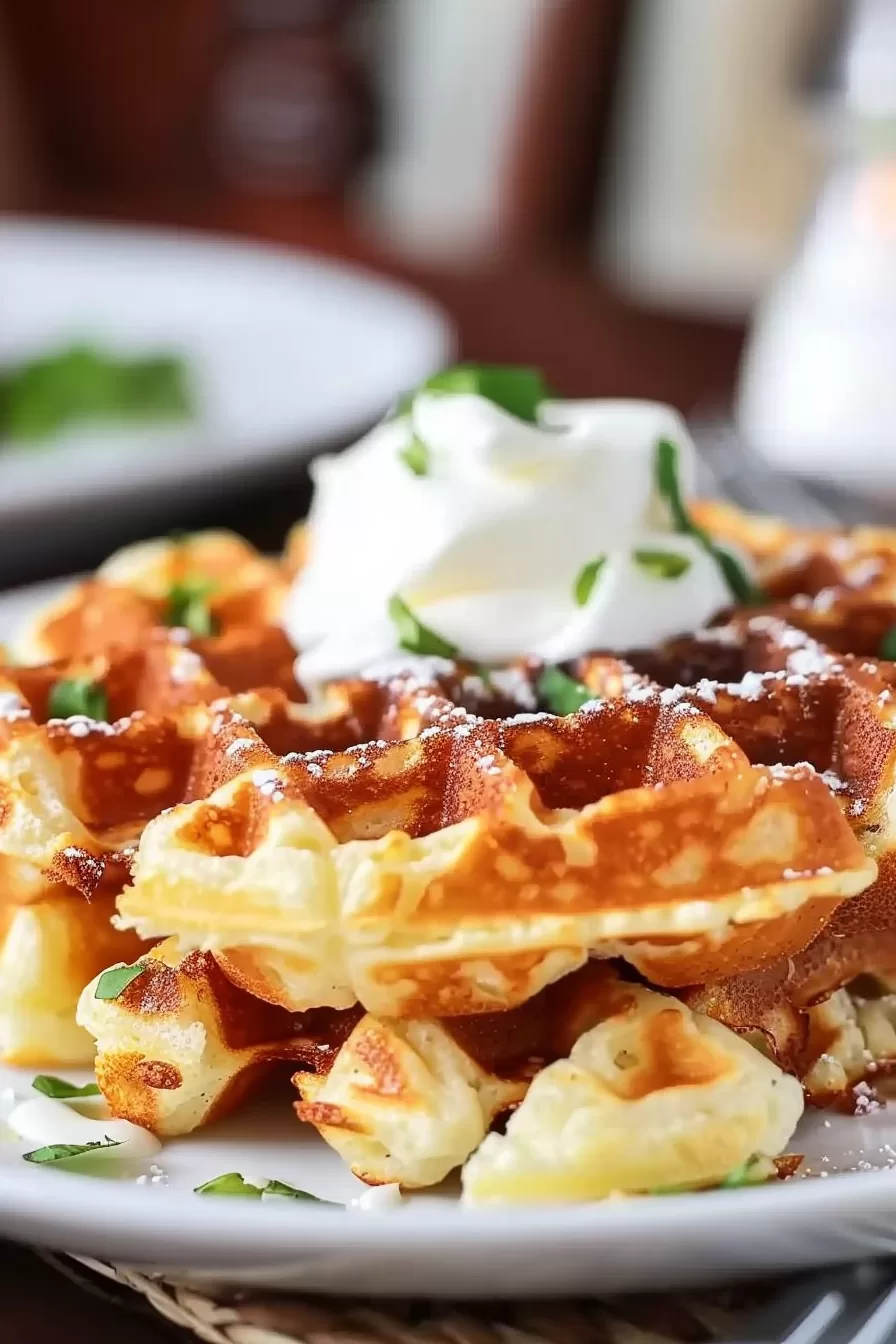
260,1317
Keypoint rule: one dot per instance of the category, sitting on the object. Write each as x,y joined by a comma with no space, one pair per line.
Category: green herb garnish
233,1185
561,693
416,456
60,1090
78,696
64,1152
888,645
188,607
662,564
78,383
666,468
414,636
114,982
519,391
586,579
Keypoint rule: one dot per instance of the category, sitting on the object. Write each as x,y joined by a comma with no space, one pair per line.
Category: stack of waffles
641,929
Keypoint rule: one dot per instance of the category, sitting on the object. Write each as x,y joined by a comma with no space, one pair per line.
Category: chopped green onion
64,1152
586,579
561,693
414,636
416,456
114,982
60,1090
233,1185
78,696
666,469
188,607
888,645
662,564
519,391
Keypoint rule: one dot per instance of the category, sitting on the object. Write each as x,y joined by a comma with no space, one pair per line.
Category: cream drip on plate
43,1121
484,525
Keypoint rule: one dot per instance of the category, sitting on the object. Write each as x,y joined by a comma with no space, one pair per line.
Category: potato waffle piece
655,1097
785,698
131,596
181,1046
74,796
464,869
851,1047
409,1100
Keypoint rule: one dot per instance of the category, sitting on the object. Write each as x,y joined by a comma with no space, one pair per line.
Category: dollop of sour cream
43,1121
486,539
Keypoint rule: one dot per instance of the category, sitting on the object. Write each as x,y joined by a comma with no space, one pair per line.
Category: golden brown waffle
464,869
409,1100
132,593
652,1097
785,698
838,586
133,600
182,1046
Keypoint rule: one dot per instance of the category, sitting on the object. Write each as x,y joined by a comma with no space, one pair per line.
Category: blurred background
669,199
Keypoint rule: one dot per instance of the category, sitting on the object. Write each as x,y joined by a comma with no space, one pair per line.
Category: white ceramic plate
288,353
431,1246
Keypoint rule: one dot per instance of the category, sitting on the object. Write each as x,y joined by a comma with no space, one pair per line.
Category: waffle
402,1100
785,698
182,1046
464,869
409,1101
126,603
653,1098
74,795
839,587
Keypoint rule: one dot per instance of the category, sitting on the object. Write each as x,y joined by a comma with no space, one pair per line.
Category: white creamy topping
379,1199
43,1121
486,546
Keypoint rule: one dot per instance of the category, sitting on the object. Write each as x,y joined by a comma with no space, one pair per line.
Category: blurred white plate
431,1246
289,353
